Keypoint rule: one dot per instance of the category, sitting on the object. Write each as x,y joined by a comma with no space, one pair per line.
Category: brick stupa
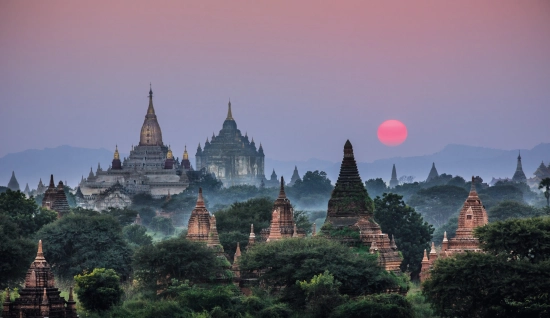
202,226
55,199
282,219
39,297
471,215
351,208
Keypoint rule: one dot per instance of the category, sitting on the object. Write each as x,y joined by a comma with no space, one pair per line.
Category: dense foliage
376,187
76,243
98,290
284,262
135,235
375,306
24,212
511,209
177,258
511,279
412,234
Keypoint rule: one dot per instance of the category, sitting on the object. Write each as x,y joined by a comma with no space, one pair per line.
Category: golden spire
185,154
229,115
169,155
117,156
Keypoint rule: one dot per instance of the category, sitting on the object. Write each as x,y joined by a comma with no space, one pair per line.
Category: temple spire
200,200
282,193
39,254
229,114
150,109
519,175
393,181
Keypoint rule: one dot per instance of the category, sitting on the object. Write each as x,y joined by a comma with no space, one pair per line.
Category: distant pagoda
231,157
39,297
350,208
295,176
519,175
393,181
433,173
202,226
13,185
55,199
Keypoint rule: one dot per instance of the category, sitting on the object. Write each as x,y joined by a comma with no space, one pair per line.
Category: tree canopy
412,234
24,212
437,204
511,209
76,243
286,261
98,290
376,187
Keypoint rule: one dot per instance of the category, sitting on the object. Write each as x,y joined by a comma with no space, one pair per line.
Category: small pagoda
282,219
471,215
39,298
202,226
350,215
55,199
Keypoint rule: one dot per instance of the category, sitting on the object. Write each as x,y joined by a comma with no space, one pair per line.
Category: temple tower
282,220
198,227
519,175
295,176
13,185
116,164
50,194
60,204
151,134
393,181
350,207
433,173
471,215
39,297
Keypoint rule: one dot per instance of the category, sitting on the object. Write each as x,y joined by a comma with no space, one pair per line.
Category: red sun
392,132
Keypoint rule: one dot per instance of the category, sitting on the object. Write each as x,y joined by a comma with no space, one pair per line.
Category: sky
302,76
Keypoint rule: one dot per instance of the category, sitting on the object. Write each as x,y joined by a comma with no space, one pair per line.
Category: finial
39,254
425,258
229,114
200,200
282,189
238,250
432,251
445,237
150,90
251,228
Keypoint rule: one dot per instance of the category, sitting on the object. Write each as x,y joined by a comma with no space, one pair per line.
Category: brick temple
471,215
39,298
55,198
202,225
351,209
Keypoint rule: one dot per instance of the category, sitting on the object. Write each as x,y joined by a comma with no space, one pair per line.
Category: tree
98,290
134,234
521,239
545,184
322,294
237,219
485,285
162,224
511,209
24,213
437,204
412,234
450,227
125,216
177,258
286,261
16,253
376,187
312,191
504,192
76,243
375,306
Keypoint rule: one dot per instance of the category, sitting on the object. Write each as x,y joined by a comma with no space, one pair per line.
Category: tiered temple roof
295,176
202,225
471,215
55,199
40,297
350,207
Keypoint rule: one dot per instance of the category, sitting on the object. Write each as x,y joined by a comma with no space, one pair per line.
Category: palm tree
545,184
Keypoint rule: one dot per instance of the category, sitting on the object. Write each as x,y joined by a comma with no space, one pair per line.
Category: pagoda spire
519,175
282,194
13,184
229,114
52,185
200,200
433,173
150,109
393,181
251,237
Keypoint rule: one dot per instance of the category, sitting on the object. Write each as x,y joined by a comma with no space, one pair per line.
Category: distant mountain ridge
69,163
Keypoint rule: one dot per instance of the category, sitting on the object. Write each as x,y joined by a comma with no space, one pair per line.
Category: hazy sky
303,76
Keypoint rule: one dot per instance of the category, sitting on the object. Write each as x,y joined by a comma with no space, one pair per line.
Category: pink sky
303,76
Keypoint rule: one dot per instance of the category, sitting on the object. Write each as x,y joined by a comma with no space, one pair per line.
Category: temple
471,215
13,185
282,223
519,175
39,297
202,225
55,199
150,168
393,181
231,157
295,176
351,209
433,173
